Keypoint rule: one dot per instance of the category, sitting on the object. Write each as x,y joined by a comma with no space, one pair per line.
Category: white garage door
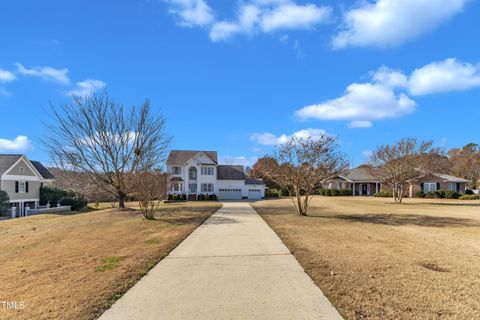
254,194
230,194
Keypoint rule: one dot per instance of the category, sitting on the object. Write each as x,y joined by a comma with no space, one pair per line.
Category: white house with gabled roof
193,173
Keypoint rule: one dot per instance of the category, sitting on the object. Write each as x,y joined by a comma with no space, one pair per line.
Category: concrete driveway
232,267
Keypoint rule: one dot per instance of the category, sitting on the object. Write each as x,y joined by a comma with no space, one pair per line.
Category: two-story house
22,179
193,173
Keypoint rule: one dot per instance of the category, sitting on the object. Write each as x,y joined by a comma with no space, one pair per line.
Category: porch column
376,187
353,189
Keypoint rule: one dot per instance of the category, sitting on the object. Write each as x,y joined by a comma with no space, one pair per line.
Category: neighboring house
437,181
22,180
360,180
193,173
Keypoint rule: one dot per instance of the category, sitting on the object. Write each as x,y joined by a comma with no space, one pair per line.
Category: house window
452,186
429,186
22,187
207,171
176,170
207,187
22,170
192,173
176,186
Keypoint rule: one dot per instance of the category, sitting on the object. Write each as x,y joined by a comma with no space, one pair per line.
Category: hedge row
470,197
335,192
383,194
272,194
65,197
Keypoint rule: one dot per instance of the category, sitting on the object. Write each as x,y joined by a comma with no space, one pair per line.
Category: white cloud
360,124
87,87
6,76
292,16
19,144
45,73
386,95
392,22
269,139
251,17
361,103
241,160
191,12
444,76
390,77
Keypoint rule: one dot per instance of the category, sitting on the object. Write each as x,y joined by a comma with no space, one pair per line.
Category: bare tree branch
106,140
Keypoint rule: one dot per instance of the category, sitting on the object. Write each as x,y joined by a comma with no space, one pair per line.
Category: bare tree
150,189
103,138
261,169
400,164
303,164
466,163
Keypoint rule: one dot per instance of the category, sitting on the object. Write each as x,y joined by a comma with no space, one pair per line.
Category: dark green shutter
16,186
26,187
438,185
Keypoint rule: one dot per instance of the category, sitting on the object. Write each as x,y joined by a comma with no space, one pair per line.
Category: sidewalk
232,267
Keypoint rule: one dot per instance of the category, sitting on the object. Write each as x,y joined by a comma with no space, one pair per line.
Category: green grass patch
109,263
153,241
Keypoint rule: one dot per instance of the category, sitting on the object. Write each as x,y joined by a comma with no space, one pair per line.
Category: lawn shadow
407,219
220,220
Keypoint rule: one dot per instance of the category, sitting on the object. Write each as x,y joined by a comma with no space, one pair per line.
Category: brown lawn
74,266
377,260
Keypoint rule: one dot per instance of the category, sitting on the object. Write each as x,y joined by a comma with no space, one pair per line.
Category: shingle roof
176,179
7,161
42,170
451,178
360,174
227,172
254,181
180,157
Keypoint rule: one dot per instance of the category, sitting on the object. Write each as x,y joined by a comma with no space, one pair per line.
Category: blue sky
240,76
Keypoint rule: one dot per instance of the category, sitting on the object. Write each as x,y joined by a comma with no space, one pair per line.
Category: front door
364,189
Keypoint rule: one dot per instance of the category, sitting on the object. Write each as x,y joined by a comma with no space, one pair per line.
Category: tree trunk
121,200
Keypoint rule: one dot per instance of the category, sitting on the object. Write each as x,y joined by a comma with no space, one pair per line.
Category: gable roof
450,178
7,161
180,157
360,174
227,172
42,170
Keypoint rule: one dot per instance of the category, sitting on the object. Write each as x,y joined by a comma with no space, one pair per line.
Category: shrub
419,194
470,197
54,195
271,194
3,201
469,192
451,195
64,197
383,194
335,192
77,202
